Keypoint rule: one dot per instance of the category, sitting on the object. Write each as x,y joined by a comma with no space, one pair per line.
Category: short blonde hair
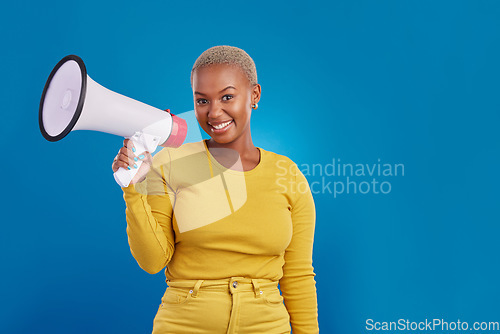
225,54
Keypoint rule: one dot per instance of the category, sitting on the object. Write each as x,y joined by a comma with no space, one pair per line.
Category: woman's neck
244,147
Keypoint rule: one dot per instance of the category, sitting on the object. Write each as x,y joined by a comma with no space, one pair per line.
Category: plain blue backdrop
407,82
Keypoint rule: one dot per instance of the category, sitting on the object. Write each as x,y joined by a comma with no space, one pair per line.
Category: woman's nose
214,110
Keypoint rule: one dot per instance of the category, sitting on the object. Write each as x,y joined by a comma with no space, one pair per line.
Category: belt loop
196,288
256,287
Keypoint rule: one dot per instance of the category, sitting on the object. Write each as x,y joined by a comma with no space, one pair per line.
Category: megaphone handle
142,142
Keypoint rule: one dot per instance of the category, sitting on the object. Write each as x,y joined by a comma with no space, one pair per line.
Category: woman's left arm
297,285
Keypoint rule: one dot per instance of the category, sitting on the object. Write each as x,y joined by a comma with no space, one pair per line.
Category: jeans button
235,284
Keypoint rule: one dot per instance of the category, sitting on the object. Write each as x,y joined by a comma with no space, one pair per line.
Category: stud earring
255,106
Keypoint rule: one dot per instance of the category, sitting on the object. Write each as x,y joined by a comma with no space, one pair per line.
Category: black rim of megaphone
78,111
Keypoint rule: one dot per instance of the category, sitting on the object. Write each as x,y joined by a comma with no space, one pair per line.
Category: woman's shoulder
282,163
292,180
181,151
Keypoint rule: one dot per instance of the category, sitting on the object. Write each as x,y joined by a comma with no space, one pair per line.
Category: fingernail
135,165
128,167
133,149
135,159
141,156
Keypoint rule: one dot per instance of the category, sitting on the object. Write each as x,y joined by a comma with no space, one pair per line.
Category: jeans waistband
231,284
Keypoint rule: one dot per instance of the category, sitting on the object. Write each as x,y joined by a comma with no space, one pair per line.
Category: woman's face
223,99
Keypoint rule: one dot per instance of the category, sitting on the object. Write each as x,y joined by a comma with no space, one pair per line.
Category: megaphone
71,100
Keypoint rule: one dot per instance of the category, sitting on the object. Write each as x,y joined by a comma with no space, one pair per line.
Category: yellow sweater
204,221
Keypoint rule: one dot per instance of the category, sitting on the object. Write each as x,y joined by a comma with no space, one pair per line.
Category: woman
228,220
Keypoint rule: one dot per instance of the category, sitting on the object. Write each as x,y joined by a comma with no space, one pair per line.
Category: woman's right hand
125,159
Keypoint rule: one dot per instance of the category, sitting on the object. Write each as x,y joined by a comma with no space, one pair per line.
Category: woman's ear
256,91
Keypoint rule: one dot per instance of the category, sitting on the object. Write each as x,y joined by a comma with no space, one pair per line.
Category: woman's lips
220,127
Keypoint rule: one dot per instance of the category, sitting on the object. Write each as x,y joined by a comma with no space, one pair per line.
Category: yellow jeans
235,305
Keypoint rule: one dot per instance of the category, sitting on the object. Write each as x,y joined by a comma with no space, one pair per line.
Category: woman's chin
222,139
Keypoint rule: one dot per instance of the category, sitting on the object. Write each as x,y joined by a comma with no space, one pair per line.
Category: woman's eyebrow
219,92
227,88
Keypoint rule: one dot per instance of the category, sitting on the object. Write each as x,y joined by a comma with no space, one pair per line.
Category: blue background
405,82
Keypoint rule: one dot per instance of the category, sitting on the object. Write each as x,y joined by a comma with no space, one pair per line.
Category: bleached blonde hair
225,54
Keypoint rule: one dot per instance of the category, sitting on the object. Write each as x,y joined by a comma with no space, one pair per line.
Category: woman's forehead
218,76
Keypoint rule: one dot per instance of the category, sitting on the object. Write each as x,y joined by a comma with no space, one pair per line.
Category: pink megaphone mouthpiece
178,133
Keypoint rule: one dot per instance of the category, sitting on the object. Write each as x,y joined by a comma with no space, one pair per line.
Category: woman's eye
201,101
227,97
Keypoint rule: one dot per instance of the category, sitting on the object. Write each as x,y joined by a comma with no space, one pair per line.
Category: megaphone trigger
145,142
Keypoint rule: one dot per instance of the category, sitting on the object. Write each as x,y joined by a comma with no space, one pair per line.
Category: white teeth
221,126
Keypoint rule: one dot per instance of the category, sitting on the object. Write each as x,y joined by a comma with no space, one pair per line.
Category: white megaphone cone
71,100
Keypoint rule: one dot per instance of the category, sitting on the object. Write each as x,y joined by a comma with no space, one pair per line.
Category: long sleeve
149,221
297,284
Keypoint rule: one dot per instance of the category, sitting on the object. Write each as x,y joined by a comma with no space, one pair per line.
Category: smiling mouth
220,127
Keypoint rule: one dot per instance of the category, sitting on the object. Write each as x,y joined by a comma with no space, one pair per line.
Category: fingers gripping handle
142,142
